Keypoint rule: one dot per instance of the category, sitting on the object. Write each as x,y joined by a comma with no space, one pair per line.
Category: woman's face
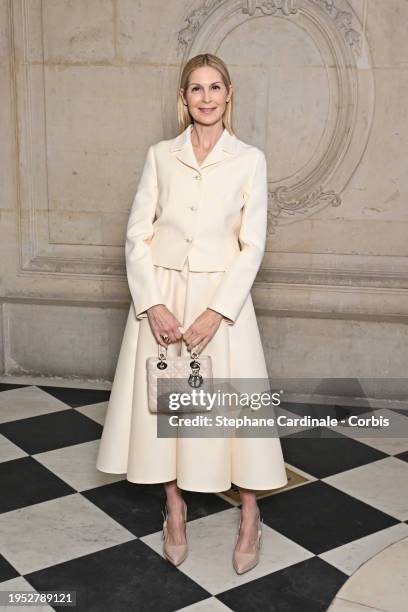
206,95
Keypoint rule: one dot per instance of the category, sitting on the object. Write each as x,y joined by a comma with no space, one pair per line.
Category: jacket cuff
141,311
227,316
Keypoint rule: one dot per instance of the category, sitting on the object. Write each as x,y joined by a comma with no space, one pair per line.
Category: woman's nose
206,97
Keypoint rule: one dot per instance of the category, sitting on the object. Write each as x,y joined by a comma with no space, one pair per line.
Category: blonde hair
203,59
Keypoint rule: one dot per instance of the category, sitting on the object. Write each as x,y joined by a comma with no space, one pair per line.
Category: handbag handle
195,379
162,352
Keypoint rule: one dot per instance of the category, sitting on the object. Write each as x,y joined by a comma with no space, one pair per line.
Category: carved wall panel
54,238
341,54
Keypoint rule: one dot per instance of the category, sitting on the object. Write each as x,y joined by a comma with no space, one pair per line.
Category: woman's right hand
163,321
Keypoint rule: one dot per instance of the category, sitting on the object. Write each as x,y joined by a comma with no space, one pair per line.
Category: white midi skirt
129,443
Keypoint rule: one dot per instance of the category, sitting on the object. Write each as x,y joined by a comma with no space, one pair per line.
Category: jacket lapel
182,148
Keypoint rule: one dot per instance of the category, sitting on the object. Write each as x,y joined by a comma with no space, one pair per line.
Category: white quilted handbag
177,375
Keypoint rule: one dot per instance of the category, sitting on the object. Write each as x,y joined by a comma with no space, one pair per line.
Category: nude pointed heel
175,553
244,561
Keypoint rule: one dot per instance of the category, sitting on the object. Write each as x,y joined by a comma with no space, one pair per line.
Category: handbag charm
161,364
177,375
195,379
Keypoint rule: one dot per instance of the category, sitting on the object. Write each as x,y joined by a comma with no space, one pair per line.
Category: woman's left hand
202,329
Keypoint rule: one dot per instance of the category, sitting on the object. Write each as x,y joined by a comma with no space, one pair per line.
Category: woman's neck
204,137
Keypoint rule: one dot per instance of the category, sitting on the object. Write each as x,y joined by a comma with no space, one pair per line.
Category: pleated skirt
130,445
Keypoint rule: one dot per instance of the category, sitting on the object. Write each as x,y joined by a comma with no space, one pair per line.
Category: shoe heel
260,533
175,553
243,562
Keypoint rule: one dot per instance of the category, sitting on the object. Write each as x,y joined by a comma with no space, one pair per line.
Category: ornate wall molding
339,38
269,7
343,20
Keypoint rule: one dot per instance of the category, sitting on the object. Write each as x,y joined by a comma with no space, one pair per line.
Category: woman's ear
181,93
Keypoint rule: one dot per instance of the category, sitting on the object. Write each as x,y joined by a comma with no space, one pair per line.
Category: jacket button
198,177
188,239
192,207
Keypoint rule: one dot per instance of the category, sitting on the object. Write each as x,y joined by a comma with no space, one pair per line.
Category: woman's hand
203,328
162,321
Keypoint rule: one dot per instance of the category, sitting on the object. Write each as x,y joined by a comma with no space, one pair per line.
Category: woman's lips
206,110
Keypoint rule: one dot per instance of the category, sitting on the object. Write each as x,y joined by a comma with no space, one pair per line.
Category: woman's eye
196,87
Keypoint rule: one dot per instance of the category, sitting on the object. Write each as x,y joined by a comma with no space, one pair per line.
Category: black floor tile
28,482
127,577
323,452
403,411
7,571
138,507
77,397
51,431
10,386
319,517
403,456
308,586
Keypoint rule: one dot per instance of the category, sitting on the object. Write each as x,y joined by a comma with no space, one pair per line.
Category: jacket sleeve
237,281
140,270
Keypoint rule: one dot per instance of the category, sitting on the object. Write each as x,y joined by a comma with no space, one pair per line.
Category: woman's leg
248,532
175,507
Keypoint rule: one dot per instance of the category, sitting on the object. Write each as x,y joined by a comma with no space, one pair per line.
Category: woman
195,240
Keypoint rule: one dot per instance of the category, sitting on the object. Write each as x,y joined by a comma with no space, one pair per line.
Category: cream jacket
214,214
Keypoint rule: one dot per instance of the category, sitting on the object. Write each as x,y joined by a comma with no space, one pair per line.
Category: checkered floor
66,526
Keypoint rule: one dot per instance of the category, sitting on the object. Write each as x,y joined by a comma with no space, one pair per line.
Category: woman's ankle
251,510
175,502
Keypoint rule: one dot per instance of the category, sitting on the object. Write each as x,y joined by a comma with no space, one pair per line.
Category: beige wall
87,86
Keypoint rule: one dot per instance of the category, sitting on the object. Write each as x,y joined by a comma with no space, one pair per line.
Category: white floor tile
21,584
382,582
48,533
349,557
207,605
27,402
341,605
211,542
76,465
9,451
97,412
382,484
